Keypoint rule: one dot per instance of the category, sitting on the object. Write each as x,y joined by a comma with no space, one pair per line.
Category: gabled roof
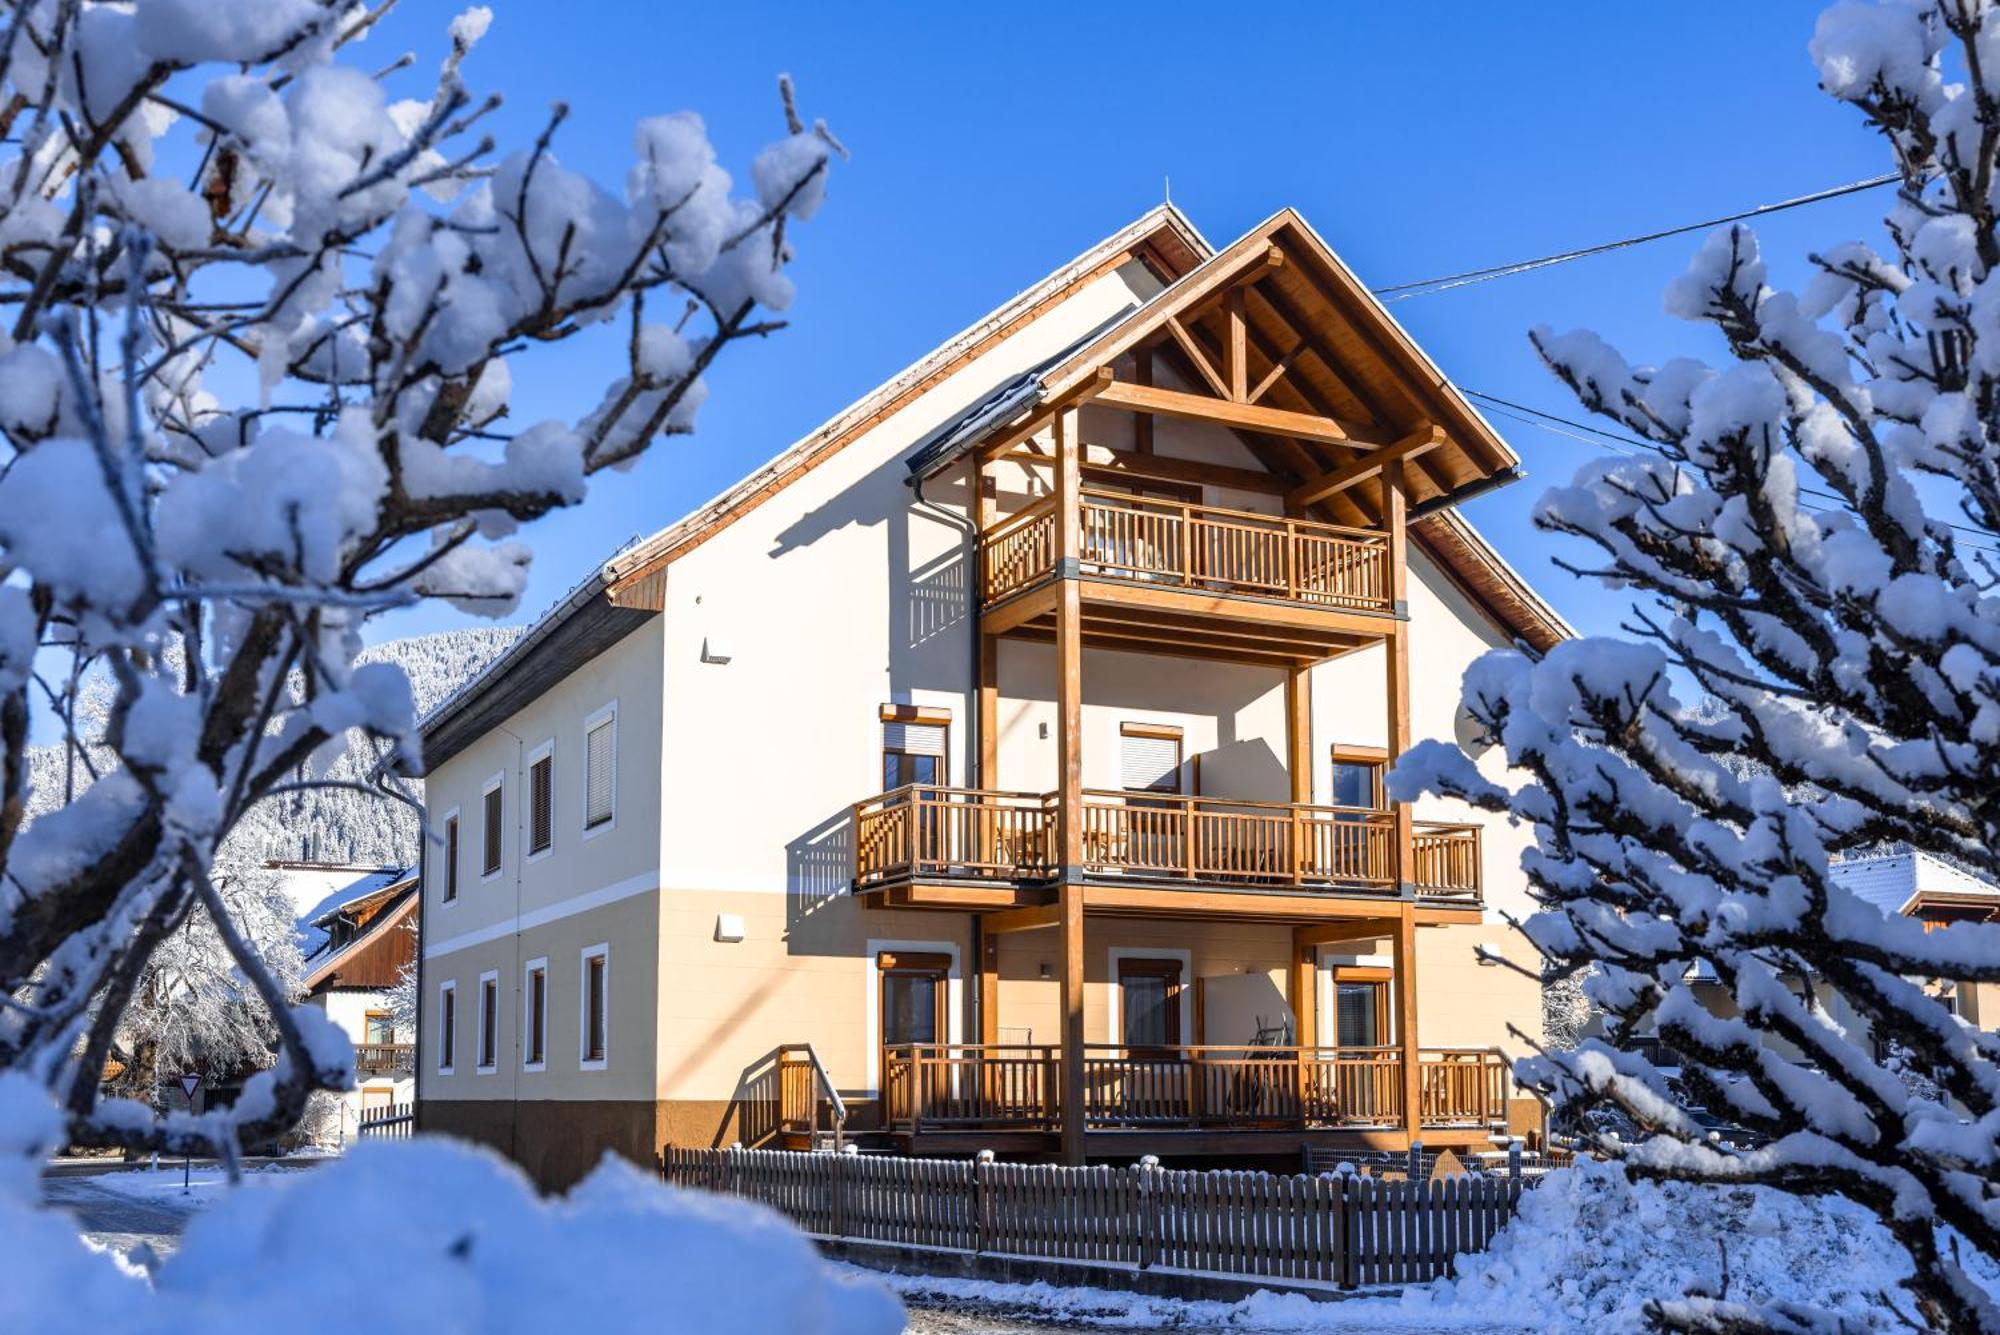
1371,374
1901,881
311,926
376,955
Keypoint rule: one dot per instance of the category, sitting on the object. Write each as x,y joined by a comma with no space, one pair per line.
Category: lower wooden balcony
939,1088
922,833
385,1058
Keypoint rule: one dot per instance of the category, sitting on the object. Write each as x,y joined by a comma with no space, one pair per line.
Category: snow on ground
1586,1251
162,1186
471,1247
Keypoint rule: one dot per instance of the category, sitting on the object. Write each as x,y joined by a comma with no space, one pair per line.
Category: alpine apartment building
1002,765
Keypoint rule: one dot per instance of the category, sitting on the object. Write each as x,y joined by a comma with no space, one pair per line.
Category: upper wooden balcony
922,833
1208,580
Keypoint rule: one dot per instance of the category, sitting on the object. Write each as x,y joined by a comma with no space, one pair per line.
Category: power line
1584,432
1426,286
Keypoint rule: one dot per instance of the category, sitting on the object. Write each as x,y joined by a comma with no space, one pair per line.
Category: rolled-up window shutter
598,762
916,739
1149,763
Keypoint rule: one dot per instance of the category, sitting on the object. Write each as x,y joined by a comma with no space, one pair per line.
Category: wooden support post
1298,759
989,712
1398,655
1238,356
1142,423
1404,982
986,960
1302,991
1072,1100
1069,650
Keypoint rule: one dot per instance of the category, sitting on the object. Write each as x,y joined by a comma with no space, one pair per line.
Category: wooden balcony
1176,573
935,1088
922,833
385,1058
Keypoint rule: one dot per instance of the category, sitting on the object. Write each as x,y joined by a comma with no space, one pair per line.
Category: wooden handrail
796,1058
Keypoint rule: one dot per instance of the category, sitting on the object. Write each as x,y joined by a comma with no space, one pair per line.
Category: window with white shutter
914,743
600,769
1149,758
541,804
491,835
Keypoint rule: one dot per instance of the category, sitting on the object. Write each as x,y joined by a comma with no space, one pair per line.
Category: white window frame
528,1013
602,950
479,1032
607,712
447,1039
498,781
545,751
444,882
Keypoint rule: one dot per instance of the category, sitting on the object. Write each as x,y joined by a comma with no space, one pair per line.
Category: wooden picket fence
1335,1229
389,1121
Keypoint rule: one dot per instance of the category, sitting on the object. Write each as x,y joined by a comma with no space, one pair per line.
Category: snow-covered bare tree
1811,666
202,199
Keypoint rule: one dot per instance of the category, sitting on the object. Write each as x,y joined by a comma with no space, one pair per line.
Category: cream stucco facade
750,699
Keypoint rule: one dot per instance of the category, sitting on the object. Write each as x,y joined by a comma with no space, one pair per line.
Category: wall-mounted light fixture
713,652
729,927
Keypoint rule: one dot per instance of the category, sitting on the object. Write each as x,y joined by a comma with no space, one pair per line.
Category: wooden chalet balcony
1204,547
943,1087
385,1058
923,833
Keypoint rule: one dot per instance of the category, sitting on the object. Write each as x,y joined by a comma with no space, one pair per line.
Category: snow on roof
312,935
1891,880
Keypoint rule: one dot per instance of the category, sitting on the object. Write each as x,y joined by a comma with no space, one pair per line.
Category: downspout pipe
970,528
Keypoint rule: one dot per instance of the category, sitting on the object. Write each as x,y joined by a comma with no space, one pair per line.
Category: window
1357,777
451,857
915,987
1149,758
594,1027
535,1016
378,1027
490,834
447,1027
1149,1002
541,801
1361,1007
489,1022
600,768
913,745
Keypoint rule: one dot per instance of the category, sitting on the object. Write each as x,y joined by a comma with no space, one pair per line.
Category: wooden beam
1423,439
1198,357
1166,468
1270,612
1397,684
1017,609
1042,415
1247,416
1341,933
1298,733
1031,919
1278,368
1069,650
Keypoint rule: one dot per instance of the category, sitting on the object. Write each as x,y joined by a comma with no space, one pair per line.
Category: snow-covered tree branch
262,315
1812,669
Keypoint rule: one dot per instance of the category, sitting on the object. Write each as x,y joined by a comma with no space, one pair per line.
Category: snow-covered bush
424,1237
263,315
1812,667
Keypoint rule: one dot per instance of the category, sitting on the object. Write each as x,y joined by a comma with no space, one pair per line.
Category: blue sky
992,144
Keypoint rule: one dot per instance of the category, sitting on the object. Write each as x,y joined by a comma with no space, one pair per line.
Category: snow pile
469,1245
1590,1247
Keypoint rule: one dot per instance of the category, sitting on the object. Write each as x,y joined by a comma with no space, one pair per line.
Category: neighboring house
1017,741
357,942
1911,884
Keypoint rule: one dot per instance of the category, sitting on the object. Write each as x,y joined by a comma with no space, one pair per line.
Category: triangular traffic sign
190,1082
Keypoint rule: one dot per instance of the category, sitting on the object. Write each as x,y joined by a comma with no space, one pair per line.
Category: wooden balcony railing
920,830
960,1086
1221,839
927,831
385,1058
1195,546
808,1103
1444,859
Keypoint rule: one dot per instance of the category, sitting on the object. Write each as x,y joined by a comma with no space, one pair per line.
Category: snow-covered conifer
1811,667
